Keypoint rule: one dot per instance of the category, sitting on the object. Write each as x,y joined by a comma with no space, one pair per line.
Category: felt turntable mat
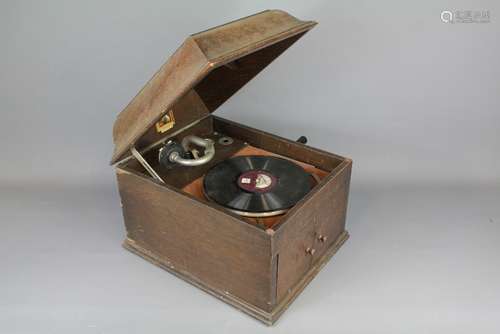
195,188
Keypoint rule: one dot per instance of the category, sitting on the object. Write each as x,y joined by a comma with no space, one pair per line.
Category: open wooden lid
207,69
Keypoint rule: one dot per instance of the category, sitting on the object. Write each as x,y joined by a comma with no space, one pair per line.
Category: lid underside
207,69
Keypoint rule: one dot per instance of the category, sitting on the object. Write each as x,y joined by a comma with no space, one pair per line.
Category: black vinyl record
257,185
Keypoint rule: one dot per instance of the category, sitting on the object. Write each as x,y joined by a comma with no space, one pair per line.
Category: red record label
257,181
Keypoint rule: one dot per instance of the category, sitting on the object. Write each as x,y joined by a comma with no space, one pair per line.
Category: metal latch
166,123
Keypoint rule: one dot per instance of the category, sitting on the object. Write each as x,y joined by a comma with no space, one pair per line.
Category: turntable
257,186
242,214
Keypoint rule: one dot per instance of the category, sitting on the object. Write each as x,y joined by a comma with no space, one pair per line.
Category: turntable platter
257,186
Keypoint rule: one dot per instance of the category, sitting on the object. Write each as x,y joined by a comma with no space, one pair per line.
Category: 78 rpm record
257,186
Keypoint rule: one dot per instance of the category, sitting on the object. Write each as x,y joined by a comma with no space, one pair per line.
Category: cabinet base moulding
268,318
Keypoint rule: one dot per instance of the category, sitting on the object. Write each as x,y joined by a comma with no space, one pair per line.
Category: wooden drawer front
296,255
308,234
331,219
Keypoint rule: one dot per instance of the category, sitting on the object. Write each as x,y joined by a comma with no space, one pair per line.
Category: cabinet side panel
306,235
197,240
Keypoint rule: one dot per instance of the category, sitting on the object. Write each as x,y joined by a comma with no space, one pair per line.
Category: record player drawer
312,234
302,254
331,223
295,256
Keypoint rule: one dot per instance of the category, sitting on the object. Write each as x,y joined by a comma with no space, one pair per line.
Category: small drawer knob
322,238
310,250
